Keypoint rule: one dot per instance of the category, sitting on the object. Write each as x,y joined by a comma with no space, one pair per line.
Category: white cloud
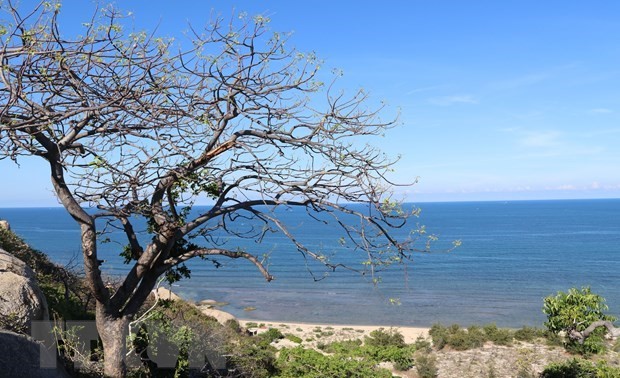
601,111
566,187
541,139
425,89
520,81
452,100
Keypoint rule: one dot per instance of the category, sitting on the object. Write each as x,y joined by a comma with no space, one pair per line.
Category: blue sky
499,100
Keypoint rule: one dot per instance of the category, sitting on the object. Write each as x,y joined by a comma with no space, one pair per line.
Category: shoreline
327,332
332,332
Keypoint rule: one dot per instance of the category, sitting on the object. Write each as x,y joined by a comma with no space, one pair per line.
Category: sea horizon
408,202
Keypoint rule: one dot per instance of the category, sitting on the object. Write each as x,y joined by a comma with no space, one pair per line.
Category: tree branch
173,261
583,335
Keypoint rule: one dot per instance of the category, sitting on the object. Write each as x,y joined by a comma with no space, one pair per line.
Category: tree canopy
140,126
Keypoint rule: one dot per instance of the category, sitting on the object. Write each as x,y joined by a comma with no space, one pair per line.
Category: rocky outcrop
221,316
21,300
4,224
21,356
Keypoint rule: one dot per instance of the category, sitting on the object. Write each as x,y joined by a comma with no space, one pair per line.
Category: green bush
300,362
421,344
251,359
474,336
401,357
270,336
343,347
380,346
575,311
499,336
234,325
426,364
190,334
293,338
577,368
457,337
382,338
526,333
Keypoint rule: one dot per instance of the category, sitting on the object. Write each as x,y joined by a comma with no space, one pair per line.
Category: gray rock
21,356
21,300
5,224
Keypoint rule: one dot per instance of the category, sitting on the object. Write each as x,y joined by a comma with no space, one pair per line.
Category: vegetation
426,365
459,338
530,334
136,127
572,313
379,346
300,362
578,368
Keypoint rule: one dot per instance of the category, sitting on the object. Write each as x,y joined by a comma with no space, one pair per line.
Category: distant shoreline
423,201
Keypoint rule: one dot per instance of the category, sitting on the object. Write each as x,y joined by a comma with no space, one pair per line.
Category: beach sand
313,333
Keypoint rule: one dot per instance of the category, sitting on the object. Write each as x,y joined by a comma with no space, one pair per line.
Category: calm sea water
513,254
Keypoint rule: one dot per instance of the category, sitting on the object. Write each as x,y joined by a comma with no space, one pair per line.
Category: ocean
513,254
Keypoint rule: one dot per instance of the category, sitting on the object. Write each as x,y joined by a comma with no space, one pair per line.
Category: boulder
221,316
4,224
165,294
21,356
21,300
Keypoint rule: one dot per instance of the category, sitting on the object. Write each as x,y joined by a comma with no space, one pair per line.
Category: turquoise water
513,255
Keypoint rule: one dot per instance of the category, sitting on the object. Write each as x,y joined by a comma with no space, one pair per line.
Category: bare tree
137,127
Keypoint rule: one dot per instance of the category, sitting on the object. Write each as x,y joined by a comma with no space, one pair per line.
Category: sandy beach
312,333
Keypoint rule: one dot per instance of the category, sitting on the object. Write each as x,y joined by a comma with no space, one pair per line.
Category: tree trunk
113,332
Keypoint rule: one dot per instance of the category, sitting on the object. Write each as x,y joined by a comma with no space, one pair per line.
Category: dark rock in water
21,300
21,356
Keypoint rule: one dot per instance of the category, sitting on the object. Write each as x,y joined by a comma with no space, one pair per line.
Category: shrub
343,347
382,346
499,336
421,344
456,337
575,311
271,335
526,333
382,338
426,364
578,368
234,325
300,362
252,359
293,338
439,336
